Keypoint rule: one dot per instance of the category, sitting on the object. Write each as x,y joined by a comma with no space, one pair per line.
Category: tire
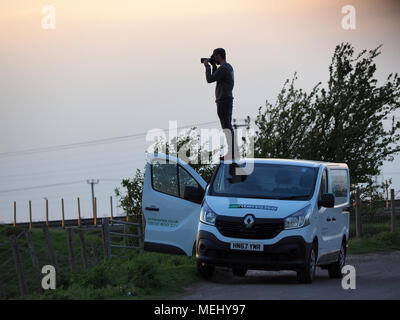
335,269
307,274
239,272
204,270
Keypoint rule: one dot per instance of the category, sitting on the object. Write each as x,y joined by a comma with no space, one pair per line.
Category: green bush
389,239
95,277
145,273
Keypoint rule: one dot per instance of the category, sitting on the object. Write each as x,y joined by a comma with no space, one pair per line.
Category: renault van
283,215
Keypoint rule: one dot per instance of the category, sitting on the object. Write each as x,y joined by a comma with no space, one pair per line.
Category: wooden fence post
358,213
71,249
95,253
387,194
103,235
370,197
139,231
95,211
47,212
18,266
30,214
15,214
83,249
62,213
50,248
111,207
35,260
143,224
393,210
79,212
106,239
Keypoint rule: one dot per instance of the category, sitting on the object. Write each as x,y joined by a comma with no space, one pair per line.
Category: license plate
246,246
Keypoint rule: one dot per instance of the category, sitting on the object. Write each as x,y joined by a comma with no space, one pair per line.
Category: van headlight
300,218
207,215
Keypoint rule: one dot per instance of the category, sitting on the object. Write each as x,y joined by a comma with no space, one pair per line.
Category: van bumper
287,254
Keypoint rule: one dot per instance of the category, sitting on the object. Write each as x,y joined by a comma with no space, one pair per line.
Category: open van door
171,200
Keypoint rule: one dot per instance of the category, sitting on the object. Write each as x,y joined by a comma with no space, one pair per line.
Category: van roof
306,163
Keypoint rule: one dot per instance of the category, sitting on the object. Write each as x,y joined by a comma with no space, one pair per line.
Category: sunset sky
115,68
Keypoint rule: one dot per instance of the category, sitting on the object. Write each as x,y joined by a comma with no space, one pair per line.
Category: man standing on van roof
224,97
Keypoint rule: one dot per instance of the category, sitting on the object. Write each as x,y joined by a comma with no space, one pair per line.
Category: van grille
234,227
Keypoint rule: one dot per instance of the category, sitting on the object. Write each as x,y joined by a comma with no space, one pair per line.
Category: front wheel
204,270
335,269
239,272
307,274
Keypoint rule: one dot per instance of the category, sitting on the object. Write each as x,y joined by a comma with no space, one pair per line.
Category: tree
283,128
131,199
343,122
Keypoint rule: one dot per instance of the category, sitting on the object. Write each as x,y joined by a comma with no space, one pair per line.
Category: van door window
164,178
339,185
324,184
186,180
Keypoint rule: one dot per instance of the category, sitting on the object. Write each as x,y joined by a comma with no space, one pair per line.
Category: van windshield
268,181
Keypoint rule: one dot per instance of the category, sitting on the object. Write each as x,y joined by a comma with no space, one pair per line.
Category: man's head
219,55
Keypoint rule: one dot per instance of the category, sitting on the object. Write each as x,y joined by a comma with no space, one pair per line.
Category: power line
42,186
88,143
58,184
85,167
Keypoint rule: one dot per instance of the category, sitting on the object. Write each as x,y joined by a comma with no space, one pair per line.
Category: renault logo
249,220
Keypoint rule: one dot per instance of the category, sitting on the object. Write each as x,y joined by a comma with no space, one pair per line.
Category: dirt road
377,277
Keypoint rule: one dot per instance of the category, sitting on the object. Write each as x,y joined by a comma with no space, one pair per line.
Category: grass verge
384,241
137,276
145,276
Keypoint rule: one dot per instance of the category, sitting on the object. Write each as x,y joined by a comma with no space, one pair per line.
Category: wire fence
371,216
68,249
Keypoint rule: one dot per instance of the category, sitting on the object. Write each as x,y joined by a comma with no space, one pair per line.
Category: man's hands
206,62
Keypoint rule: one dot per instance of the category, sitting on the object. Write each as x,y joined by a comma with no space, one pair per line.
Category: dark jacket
224,78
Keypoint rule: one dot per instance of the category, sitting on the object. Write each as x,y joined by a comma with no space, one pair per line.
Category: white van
285,215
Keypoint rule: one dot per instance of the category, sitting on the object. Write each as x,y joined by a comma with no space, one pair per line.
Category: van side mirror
193,194
327,200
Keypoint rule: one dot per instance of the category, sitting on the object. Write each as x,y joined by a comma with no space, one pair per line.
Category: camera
210,60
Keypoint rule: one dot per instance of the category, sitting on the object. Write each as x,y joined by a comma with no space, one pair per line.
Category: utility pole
92,182
235,125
